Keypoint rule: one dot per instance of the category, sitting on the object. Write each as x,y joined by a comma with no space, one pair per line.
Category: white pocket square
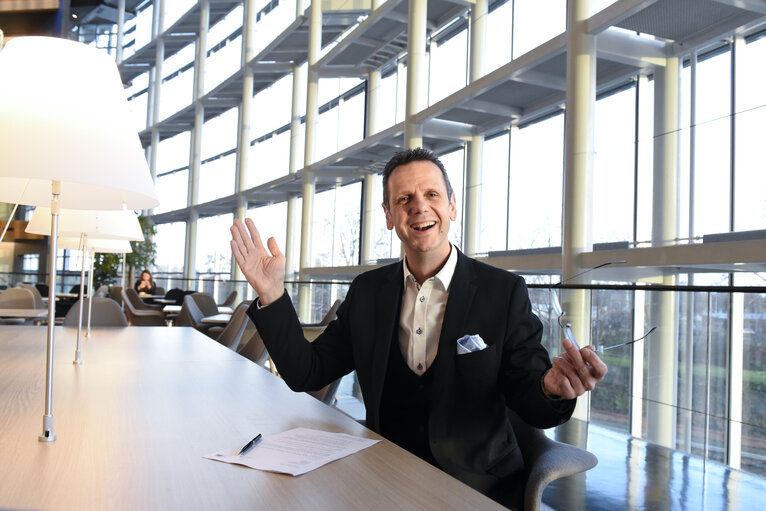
470,343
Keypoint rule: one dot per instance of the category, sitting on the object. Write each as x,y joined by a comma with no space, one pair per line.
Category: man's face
419,208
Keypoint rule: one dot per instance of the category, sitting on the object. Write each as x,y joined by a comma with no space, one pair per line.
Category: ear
389,218
453,207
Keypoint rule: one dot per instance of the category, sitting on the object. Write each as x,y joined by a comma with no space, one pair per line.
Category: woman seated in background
145,284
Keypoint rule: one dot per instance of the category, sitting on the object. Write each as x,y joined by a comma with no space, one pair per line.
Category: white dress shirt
422,314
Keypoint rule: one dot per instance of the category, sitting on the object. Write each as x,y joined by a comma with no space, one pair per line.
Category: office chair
232,333
138,317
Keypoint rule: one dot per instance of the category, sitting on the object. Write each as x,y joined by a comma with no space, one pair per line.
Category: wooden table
134,420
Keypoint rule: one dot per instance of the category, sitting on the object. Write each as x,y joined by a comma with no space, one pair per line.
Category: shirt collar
444,275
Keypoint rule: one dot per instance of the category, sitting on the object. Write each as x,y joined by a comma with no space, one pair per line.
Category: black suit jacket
469,433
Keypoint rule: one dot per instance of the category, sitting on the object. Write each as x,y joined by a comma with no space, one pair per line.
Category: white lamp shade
64,117
101,246
112,225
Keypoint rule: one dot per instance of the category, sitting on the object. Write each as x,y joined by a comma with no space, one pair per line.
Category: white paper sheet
296,451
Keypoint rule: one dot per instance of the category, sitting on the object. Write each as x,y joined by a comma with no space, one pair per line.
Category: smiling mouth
423,226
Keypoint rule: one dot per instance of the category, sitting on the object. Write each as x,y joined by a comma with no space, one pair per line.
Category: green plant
106,267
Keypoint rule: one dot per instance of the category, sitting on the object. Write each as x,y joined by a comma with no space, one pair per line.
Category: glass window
335,238
30,262
269,159
173,153
172,190
613,167
645,160
712,146
171,242
447,67
386,244
216,178
387,101
498,43
536,184
213,252
219,134
271,107
271,221
493,221
750,132
536,22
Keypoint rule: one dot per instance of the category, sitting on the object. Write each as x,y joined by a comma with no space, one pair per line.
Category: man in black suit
400,328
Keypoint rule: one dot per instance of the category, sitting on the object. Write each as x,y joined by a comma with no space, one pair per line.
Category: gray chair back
142,317
327,393
106,312
205,303
230,299
17,298
232,333
115,293
137,302
255,350
190,314
39,302
102,292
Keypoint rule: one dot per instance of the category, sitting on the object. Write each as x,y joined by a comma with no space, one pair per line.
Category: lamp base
77,358
48,434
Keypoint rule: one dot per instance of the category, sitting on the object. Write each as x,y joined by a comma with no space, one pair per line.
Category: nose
418,203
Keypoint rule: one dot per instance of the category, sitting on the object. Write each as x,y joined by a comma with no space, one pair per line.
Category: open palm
264,268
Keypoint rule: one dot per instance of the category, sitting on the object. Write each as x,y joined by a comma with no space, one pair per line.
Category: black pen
249,445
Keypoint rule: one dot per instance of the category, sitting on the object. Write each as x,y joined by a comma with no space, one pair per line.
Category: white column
578,171
417,72
243,126
290,250
195,144
158,21
472,211
120,30
312,118
370,203
661,353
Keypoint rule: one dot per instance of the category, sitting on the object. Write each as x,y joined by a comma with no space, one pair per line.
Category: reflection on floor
637,475
633,474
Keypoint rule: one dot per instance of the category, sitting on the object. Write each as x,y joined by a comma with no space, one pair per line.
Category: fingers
274,247
240,236
577,370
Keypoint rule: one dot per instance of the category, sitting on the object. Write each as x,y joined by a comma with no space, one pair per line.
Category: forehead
421,173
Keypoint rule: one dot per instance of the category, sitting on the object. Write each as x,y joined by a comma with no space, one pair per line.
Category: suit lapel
461,295
388,305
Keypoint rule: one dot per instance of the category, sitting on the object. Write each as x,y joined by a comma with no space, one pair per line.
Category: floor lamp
66,140
86,226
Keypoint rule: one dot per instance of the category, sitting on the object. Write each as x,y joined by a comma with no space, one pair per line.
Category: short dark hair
408,156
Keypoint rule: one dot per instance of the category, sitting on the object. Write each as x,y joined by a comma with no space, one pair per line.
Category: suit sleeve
304,365
524,362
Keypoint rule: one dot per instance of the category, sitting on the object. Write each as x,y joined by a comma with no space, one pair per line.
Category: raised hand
574,372
264,269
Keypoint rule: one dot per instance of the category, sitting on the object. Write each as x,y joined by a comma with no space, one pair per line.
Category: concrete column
290,250
243,124
370,203
120,30
417,73
578,174
472,210
195,143
661,352
312,118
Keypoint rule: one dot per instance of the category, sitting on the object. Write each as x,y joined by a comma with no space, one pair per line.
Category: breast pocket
477,370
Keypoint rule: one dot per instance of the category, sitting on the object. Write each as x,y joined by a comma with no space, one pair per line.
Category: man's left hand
574,372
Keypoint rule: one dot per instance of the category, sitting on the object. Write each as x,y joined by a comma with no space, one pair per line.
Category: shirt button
422,299
419,331
420,367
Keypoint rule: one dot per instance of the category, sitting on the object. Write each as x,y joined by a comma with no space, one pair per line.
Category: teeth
423,226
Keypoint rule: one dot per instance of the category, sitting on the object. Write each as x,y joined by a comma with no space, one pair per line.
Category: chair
39,302
546,460
115,293
230,299
195,307
138,317
254,350
101,292
177,295
159,290
138,303
233,332
16,298
106,312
